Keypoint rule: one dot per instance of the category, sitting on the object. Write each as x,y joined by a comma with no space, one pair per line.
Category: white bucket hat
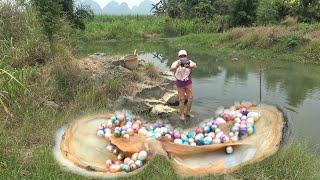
182,52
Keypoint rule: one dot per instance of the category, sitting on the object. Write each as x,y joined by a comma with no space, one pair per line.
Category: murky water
295,88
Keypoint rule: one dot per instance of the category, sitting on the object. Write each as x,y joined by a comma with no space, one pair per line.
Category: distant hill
118,9
144,7
92,4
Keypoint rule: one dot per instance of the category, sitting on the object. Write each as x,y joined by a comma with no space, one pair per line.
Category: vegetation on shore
292,41
297,43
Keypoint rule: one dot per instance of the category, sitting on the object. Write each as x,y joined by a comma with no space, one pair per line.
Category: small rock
162,110
119,62
168,79
155,92
167,73
51,104
235,59
116,71
171,98
134,104
99,54
154,101
169,86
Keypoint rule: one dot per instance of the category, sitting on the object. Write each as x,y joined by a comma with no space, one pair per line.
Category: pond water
293,87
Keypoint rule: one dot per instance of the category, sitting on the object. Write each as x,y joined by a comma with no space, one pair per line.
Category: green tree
243,12
204,10
67,8
267,12
81,14
283,8
308,11
221,7
158,8
48,12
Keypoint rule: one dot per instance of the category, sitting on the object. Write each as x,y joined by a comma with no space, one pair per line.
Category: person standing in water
182,71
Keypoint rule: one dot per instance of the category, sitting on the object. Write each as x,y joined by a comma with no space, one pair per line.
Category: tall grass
11,86
105,27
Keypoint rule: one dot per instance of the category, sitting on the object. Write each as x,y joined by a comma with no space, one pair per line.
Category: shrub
290,42
312,51
152,71
243,12
220,23
290,21
267,12
247,41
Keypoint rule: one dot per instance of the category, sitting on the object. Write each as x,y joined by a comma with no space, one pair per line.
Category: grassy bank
105,27
298,43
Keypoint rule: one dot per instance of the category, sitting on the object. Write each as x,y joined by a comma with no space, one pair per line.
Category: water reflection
294,87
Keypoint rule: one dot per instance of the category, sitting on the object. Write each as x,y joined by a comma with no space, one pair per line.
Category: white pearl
142,155
229,150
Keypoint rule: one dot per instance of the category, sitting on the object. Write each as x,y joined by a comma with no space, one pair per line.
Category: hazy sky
131,3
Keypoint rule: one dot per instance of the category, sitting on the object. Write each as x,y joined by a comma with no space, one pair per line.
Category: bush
267,12
308,11
312,52
289,42
243,12
248,41
152,71
219,23
290,21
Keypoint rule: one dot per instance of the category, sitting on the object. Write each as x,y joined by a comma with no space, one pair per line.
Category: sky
131,3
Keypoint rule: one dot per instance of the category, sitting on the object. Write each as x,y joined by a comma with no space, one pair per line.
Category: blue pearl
243,132
184,138
128,118
199,140
191,134
213,128
207,129
185,142
117,133
234,129
125,168
113,119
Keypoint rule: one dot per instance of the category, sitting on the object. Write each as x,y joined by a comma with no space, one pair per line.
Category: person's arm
174,66
192,65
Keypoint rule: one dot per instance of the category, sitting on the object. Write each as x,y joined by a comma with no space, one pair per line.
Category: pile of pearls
210,133
122,125
126,125
123,163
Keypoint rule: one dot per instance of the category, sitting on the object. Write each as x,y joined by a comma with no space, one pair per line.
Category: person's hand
178,64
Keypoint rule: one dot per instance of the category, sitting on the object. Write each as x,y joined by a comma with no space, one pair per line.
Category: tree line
241,12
